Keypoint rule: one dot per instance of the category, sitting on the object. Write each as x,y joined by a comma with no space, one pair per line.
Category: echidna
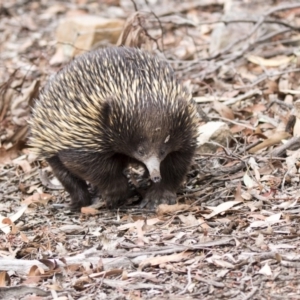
109,108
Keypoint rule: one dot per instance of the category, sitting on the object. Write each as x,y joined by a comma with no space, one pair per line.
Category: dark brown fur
90,123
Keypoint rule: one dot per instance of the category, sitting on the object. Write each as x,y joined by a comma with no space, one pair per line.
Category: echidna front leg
102,171
75,186
112,182
173,170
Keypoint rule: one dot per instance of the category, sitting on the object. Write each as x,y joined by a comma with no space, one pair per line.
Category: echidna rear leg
75,186
173,170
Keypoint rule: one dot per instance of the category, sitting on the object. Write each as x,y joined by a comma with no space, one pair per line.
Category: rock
211,136
80,33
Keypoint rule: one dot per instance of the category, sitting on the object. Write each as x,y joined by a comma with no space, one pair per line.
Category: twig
185,6
252,293
292,144
226,22
245,96
271,35
267,76
240,53
228,101
188,283
279,102
246,37
234,122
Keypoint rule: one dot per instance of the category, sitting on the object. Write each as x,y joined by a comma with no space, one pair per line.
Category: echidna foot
113,200
80,198
155,197
117,195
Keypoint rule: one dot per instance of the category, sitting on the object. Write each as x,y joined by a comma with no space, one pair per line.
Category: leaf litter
234,232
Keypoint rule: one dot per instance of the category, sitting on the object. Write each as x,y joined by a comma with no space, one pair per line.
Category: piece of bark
20,291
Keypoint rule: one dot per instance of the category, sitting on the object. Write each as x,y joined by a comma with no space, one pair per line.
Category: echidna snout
153,165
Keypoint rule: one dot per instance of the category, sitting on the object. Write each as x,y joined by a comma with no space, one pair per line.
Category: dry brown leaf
24,237
5,226
188,220
55,9
221,208
238,192
133,34
271,141
38,198
36,270
246,196
272,62
154,261
24,164
59,57
4,279
6,156
258,216
259,241
54,287
71,229
52,265
223,264
33,188
266,270
124,275
248,181
230,94
33,297
89,210
272,87
140,233
103,274
259,107
254,166
296,129
223,110
149,222
8,222
134,295
34,275
169,209
274,218
237,128
203,224
147,275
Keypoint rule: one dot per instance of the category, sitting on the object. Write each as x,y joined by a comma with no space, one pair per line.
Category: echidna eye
141,152
162,152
